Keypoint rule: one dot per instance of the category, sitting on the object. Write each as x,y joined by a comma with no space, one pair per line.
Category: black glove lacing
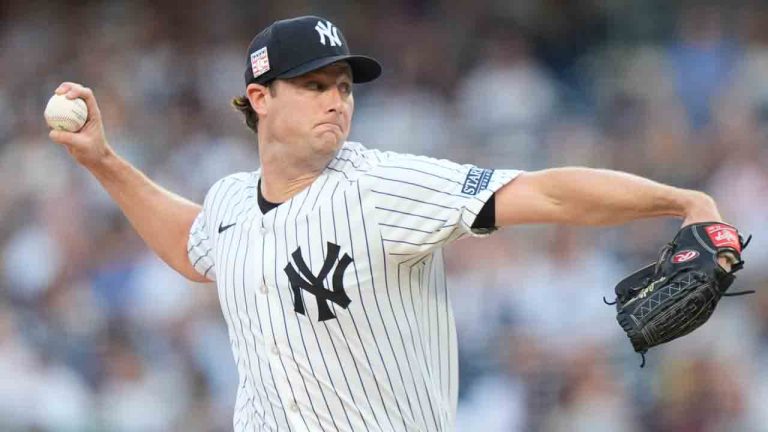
665,250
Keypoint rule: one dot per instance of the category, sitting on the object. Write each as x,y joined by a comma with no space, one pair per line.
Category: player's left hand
675,295
702,208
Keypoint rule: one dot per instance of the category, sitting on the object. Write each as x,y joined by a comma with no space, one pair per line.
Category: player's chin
330,141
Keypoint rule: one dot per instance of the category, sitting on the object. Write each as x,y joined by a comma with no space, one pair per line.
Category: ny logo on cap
327,29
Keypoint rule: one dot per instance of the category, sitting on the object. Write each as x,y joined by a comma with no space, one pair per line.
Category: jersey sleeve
200,248
422,203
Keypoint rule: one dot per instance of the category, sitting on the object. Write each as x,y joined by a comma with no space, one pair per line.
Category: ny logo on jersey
326,29
313,284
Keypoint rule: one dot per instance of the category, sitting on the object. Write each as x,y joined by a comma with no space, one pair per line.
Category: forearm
160,217
584,196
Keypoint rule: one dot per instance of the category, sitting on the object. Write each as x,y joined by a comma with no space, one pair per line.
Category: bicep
525,201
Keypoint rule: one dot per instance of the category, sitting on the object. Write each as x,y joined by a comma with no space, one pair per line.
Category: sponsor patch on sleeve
260,62
476,181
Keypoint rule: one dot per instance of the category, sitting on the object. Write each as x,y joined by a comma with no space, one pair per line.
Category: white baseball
66,114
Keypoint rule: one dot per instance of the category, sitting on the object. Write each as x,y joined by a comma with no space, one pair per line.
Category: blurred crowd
96,334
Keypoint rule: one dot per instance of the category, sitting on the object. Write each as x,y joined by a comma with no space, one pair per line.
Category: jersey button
264,289
263,231
275,351
293,406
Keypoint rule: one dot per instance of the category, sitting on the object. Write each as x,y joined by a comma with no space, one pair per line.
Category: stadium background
97,335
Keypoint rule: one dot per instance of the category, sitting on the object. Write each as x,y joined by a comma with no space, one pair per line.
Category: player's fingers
62,137
63,88
74,143
726,260
74,90
67,86
79,92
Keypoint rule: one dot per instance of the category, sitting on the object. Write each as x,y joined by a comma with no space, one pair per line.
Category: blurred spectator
505,100
94,329
590,399
703,60
699,394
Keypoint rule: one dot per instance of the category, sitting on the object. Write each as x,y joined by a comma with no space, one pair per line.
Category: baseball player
327,258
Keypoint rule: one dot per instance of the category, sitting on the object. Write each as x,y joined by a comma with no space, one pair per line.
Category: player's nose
335,99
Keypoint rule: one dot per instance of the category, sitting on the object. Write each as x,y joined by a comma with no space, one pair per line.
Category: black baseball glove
675,295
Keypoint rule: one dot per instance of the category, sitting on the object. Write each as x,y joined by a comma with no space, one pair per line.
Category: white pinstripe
389,360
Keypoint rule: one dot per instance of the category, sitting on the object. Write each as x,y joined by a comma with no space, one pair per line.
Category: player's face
315,108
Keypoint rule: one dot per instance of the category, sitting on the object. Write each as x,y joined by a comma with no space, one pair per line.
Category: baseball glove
675,295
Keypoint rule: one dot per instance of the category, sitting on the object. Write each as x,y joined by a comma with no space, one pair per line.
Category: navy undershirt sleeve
487,216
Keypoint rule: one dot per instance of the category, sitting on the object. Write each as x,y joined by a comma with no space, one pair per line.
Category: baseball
66,114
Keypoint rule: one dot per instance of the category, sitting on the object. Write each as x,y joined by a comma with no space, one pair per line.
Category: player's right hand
89,145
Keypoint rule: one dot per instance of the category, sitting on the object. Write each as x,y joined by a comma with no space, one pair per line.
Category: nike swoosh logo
223,228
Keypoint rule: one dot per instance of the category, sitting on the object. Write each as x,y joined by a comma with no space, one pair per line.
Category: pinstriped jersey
336,301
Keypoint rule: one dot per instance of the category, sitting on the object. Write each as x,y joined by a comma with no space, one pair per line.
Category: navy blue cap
295,46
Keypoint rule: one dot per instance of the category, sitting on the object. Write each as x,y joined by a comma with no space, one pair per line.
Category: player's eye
314,85
345,88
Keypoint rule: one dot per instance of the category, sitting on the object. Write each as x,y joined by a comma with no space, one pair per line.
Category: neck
285,173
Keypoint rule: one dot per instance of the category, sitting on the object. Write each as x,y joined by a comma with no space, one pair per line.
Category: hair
243,104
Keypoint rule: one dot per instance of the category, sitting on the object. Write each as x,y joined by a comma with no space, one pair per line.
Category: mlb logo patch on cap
260,62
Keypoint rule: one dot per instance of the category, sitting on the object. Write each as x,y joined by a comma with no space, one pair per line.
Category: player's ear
259,96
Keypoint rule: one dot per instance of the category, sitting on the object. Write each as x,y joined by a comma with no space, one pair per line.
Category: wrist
105,166
699,207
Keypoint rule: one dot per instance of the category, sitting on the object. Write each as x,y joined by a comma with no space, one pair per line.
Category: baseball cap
293,47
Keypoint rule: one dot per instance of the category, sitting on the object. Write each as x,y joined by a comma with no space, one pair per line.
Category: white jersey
336,301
